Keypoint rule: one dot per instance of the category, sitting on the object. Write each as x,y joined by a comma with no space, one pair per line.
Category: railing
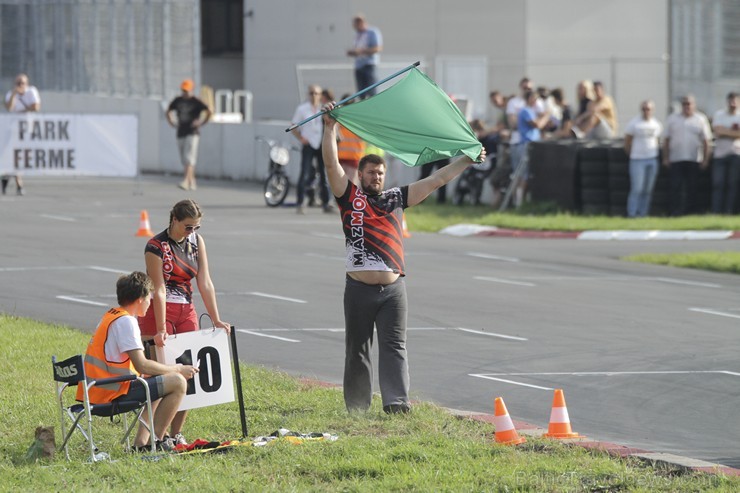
232,106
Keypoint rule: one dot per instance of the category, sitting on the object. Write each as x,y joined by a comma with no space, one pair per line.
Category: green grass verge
428,450
431,217
714,261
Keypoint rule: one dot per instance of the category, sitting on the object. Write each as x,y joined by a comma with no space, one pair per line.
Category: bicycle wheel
276,189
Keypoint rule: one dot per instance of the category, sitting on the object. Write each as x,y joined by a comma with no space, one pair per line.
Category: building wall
624,44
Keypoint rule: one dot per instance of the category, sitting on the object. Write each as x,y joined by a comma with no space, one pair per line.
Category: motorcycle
276,185
471,183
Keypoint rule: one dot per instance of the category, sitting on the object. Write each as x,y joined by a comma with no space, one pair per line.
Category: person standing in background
350,148
190,114
726,165
23,98
642,145
309,135
366,52
685,152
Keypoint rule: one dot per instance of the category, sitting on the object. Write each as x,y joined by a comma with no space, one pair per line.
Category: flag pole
355,95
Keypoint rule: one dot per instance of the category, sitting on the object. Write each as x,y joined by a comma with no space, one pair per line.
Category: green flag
414,120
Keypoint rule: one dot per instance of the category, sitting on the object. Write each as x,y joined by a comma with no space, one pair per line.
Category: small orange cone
505,431
406,233
144,228
559,420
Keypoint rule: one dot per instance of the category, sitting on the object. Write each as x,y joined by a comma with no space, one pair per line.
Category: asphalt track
646,355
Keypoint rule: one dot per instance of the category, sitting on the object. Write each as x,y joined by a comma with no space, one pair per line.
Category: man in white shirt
309,135
685,153
642,145
23,98
726,163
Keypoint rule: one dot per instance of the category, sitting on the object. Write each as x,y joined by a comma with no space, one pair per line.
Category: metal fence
705,46
137,48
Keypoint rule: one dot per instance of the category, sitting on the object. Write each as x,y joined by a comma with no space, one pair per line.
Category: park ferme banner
68,144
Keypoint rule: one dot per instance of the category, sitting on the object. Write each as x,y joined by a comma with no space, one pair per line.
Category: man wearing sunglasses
173,258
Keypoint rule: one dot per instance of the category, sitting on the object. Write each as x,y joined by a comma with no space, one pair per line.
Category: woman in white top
642,145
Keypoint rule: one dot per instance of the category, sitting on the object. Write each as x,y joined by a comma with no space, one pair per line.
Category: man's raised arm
419,190
334,173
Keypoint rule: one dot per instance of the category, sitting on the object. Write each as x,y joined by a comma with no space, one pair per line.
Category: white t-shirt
311,131
513,107
645,137
724,146
24,101
123,335
686,135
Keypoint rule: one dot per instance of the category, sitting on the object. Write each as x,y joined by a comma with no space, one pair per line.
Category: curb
655,459
634,235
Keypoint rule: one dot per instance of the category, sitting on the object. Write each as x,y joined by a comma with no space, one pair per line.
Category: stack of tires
593,174
619,179
553,170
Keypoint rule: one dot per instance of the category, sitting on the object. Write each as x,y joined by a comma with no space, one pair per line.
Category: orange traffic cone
144,228
505,431
559,420
406,233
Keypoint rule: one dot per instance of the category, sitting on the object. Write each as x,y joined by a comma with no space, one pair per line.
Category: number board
214,383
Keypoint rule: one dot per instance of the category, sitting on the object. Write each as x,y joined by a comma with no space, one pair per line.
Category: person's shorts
181,317
601,130
136,391
188,147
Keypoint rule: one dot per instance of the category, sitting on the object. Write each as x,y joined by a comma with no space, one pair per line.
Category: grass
431,217
429,450
715,261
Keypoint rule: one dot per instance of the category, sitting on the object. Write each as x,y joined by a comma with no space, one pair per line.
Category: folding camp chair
70,373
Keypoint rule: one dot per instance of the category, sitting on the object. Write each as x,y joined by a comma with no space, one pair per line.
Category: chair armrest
103,381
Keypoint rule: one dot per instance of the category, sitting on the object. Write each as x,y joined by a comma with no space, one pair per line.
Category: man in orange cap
190,113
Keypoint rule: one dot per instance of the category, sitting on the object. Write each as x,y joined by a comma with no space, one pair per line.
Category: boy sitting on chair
116,349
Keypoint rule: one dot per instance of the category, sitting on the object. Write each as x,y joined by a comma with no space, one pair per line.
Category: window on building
222,26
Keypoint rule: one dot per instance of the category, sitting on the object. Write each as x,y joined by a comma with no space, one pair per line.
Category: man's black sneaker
397,409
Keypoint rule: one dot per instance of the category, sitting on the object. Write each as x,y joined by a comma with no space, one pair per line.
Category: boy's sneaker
166,445
178,439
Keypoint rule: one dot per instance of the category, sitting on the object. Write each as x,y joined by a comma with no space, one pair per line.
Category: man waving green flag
414,120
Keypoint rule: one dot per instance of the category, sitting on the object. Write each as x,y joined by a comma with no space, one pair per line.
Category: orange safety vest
97,367
350,147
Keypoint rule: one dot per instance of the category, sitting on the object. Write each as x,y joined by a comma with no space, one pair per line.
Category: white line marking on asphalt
492,334
495,376
59,218
21,269
503,281
492,257
330,257
276,297
688,283
78,300
328,235
487,377
714,312
107,269
254,333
